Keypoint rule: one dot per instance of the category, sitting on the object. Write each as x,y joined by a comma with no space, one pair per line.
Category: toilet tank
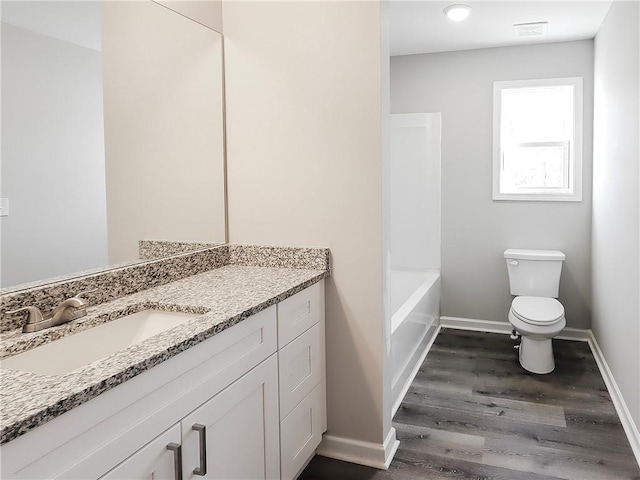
534,273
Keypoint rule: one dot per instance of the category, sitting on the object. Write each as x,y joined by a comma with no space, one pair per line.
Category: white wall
163,128
616,237
476,229
52,157
206,12
305,159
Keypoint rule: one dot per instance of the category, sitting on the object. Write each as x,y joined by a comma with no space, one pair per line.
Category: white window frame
574,151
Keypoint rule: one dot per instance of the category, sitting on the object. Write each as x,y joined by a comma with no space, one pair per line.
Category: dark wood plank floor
474,413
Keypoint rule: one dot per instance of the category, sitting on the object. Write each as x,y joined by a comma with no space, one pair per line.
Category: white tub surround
415,191
415,300
414,258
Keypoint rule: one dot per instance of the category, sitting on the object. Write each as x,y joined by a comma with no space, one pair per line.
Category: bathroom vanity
237,391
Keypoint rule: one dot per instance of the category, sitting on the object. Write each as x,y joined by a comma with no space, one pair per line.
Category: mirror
112,133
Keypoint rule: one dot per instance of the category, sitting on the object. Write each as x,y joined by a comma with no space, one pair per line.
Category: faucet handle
81,309
34,314
77,295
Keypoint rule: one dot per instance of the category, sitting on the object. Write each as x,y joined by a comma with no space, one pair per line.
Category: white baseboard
390,446
492,326
476,325
414,372
575,334
377,455
630,428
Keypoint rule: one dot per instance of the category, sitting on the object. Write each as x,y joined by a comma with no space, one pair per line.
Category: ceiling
419,26
416,26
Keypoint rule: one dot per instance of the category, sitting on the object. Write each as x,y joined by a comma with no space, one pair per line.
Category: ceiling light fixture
457,12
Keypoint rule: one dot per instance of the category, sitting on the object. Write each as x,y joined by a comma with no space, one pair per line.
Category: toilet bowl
537,320
535,313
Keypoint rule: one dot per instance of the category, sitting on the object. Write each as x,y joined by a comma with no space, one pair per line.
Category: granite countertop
223,297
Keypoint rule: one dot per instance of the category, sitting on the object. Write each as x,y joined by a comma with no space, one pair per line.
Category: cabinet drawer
154,461
301,433
296,314
300,367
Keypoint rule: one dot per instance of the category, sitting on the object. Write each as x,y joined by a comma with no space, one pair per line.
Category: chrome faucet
70,309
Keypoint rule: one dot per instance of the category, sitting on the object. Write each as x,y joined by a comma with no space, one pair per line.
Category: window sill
537,197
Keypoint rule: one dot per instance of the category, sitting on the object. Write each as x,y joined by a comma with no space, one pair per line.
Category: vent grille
537,29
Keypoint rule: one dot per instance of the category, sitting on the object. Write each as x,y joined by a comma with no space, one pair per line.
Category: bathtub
415,307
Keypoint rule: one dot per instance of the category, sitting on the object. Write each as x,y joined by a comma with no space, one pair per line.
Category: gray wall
476,229
52,157
616,273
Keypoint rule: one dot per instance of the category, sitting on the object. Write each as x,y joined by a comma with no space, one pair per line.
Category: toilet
535,314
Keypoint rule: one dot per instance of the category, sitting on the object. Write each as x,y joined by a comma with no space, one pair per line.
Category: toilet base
536,355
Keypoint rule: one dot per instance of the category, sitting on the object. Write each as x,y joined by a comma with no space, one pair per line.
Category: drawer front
301,368
155,460
296,314
301,433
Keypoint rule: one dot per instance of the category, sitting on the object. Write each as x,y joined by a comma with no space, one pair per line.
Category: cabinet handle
177,460
202,432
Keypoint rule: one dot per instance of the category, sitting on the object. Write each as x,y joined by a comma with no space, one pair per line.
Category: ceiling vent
537,29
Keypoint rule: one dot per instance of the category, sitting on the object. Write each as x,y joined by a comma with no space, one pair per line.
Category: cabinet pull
202,432
177,460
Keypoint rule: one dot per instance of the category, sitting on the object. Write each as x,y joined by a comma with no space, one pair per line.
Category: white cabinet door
301,433
153,461
240,439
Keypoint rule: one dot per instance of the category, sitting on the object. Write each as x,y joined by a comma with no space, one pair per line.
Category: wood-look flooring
474,413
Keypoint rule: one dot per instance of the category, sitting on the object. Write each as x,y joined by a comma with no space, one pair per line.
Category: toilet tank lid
534,254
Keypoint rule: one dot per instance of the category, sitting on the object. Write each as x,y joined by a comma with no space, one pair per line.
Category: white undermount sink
80,349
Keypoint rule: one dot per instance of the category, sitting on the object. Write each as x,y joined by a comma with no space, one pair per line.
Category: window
537,140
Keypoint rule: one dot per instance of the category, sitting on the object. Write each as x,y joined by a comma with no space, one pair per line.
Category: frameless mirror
112,133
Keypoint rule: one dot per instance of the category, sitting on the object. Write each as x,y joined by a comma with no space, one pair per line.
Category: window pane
537,114
533,166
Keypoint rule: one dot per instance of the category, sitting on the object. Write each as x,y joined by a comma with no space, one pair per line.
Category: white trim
574,334
390,446
414,372
492,326
574,193
630,428
476,325
376,455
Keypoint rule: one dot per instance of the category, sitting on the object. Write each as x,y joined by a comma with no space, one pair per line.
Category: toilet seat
537,310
